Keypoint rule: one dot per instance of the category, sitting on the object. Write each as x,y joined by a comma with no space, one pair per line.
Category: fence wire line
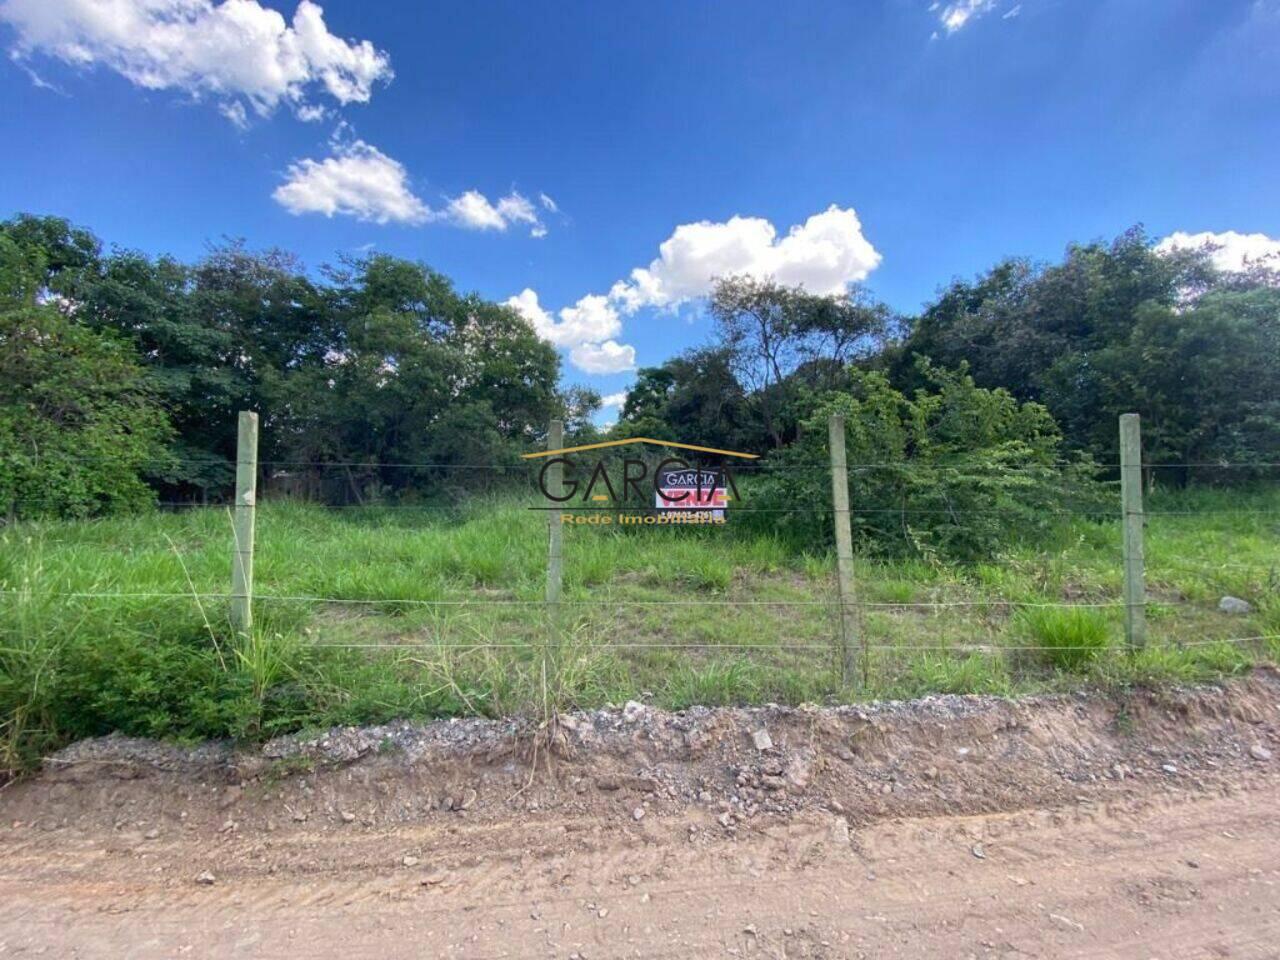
668,645
735,510
746,465
609,602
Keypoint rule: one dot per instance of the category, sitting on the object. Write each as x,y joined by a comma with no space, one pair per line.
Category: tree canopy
376,378
375,361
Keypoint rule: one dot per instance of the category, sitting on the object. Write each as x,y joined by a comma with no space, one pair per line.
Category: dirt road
1161,839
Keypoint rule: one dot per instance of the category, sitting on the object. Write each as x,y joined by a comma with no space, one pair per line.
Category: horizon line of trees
1113,328
121,374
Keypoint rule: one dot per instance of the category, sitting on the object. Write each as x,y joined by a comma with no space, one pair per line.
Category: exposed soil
1144,825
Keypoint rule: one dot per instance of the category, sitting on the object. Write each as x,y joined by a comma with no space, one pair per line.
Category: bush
1069,639
953,472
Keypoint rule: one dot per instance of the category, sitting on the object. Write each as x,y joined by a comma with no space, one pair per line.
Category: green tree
769,331
955,470
1113,328
79,425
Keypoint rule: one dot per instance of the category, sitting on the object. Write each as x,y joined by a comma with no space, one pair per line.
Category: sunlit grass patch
1069,639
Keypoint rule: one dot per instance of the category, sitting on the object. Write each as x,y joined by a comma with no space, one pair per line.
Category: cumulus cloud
235,51
590,320
613,399
1231,251
474,211
358,180
361,181
956,15
607,357
586,329
824,254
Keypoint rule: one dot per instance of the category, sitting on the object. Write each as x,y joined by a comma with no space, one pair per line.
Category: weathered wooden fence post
844,548
555,525
246,504
1135,622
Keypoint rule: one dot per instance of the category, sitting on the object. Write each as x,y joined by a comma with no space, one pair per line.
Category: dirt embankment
1146,825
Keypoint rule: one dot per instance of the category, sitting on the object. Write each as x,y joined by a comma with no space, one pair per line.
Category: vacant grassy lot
371,613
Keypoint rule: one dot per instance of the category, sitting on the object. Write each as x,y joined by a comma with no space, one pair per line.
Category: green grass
682,616
1069,639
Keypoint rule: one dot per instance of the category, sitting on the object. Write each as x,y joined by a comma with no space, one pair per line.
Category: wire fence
838,597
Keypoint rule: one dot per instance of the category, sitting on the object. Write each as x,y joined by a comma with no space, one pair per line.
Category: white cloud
607,357
526,304
956,15
1233,251
233,51
586,328
590,320
359,180
548,203
825,254
1012,12
474,211
613,399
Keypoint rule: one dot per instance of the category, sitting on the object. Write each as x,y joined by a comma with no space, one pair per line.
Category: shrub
953,472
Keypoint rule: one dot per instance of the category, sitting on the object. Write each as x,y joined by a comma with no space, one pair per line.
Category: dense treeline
121,374
1114,328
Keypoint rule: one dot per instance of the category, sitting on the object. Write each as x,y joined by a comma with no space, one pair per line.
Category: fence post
246,504
844,547
555,525
1135,623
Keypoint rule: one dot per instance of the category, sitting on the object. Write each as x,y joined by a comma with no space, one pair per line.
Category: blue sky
907,141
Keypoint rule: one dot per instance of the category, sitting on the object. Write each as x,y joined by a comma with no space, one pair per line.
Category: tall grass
1069,639
681,615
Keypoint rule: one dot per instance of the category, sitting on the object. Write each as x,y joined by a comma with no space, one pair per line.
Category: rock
151,835
798,771
348,816
206,879
432,880
979,852
467,801
633,711
230,797
762,740
637,813
1234,605
840,832
409,860
1169,767
1259,752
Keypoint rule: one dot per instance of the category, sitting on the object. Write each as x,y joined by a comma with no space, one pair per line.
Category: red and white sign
692,490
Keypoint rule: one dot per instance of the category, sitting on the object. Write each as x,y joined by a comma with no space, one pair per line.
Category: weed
1069,639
